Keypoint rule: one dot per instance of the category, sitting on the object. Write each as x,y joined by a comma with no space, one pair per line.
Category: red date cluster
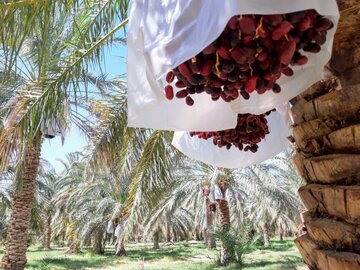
249,131
250,55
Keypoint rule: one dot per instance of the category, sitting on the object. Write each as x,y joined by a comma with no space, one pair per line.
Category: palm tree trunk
97,245
224,222
266,235
281,234
156,240
120,249
22,203
210,237
168,233
74,245
47,233
327,138
174,238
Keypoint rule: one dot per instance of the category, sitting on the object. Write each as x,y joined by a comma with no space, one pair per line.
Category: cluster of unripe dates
250,56
249,131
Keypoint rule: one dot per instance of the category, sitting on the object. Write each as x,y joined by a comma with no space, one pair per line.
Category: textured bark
327,157
333,234
226,253
224,222
210,237
317,258
327,140
266,235
22,203
341,202
47,232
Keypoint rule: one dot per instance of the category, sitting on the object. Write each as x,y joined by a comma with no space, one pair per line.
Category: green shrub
237,241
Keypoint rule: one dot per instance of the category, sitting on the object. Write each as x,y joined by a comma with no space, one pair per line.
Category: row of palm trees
79,211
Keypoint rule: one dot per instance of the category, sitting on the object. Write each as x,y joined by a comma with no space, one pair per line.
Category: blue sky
52,150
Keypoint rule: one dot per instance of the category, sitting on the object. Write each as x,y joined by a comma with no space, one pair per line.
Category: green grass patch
179,256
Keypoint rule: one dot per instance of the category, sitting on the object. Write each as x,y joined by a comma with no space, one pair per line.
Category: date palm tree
87,204
326,135
50,45
271,199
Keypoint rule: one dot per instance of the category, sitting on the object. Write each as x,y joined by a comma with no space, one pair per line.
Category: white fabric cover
53,127
218,194
163,34
110,227
205,151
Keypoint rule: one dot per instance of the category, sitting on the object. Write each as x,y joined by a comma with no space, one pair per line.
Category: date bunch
249,131
250,55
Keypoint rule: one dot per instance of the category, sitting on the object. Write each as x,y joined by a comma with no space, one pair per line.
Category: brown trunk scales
22,203
327,140
224,221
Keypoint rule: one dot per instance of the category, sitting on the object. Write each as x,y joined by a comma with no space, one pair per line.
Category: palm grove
130,185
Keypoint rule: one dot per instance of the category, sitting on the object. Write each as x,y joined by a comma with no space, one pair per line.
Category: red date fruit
312,47
224,53
250,84
251,54
286,51
320,38
323,24
247,39
247,25
301,60
262,56
238,56
170,77
273,20
206,69
189,101
249,131
282,30
182,94
180,84
194,66
233,23
276,89
169,92
287,71
184,70
304,24
295,17
209,50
